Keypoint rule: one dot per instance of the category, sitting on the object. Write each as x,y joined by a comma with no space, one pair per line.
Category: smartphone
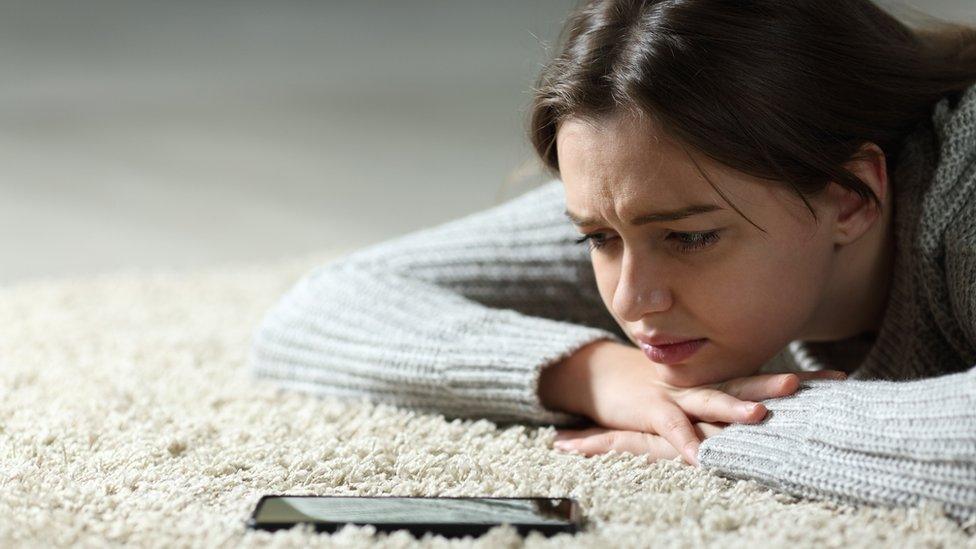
446,516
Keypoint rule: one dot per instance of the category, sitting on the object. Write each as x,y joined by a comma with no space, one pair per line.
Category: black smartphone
447,516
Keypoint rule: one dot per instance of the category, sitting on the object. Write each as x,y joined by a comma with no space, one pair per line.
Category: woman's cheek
747,324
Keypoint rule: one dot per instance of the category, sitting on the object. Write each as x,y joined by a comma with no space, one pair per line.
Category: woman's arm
458,319
879,442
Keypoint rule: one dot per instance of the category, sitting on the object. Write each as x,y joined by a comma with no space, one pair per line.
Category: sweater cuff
503,381
762,452
877,442
925,419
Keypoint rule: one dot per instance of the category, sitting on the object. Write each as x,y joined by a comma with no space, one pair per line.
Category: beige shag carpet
127,416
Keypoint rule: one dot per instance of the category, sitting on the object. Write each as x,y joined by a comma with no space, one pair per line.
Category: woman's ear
854,215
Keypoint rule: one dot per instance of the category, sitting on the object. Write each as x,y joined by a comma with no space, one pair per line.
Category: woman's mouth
674,353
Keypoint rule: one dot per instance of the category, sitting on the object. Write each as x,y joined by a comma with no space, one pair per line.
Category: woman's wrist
565,385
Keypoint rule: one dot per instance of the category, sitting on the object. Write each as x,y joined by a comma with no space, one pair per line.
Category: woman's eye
686,242
595,240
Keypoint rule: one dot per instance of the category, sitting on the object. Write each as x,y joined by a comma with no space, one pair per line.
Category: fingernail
749,407
564,445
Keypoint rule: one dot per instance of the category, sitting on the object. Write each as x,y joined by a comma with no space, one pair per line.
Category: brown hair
784,90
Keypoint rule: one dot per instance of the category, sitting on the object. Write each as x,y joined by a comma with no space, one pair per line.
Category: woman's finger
822,374
706,430
706,404
593,441
714,405
761,387
598,440
574,435
669,421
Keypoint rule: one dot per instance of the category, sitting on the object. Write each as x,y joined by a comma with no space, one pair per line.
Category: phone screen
444,515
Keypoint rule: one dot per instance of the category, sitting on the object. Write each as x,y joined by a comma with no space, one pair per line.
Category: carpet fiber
127,416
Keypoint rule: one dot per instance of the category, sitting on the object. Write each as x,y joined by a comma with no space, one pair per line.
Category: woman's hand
600,440
614,385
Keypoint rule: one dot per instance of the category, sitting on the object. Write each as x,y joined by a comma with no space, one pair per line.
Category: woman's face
708,275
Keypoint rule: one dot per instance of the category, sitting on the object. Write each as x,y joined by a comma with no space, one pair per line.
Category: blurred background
182,134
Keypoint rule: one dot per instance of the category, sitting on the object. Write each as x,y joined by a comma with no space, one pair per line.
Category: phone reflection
412,510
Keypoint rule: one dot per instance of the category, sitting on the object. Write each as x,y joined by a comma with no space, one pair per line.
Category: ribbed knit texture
461,318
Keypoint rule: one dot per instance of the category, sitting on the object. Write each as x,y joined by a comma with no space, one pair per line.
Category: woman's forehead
618,164
614,139
618,158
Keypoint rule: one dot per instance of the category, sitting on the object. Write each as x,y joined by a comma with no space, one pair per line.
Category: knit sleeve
457,319
879,442
960,275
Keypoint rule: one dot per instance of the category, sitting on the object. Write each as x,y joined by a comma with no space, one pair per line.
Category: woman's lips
674,353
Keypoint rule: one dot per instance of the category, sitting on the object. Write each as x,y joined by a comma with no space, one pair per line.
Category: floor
148,135
127,422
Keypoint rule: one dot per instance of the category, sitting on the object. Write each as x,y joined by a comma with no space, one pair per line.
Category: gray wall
195,133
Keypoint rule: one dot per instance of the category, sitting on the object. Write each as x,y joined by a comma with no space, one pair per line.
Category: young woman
743,188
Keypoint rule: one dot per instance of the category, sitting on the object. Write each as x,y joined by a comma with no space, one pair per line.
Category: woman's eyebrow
653,217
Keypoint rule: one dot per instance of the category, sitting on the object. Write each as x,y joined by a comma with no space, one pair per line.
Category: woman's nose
635,305
639,292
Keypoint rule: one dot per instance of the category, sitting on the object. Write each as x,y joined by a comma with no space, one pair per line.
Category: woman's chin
684,375
691,374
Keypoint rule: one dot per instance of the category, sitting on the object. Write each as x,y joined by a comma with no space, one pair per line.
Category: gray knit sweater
460,318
